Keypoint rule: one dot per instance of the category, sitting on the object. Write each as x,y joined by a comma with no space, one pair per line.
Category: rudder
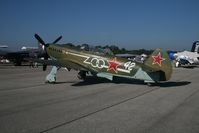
159,61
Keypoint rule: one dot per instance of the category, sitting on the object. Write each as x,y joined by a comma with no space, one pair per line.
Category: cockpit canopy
97,50
101,51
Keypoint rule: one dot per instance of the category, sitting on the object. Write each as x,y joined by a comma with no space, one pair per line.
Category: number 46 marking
129,65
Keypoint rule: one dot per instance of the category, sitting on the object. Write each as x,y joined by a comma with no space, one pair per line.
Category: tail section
195,47
159,65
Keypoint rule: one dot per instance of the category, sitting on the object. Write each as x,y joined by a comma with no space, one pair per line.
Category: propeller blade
57,39
45,54
39,39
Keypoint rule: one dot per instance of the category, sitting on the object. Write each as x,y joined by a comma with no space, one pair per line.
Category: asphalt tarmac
28,105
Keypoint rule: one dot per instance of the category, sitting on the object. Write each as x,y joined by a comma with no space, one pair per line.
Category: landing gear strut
81,75
51,77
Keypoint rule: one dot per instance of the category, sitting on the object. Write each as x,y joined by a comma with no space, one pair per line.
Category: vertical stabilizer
195,47
160,62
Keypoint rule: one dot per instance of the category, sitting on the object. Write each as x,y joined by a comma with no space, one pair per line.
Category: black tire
81,75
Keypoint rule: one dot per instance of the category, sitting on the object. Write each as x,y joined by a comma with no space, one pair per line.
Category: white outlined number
129,65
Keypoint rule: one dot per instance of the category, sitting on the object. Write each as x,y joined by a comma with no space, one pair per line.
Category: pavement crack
97,111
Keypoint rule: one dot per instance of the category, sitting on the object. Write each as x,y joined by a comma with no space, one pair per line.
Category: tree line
115,49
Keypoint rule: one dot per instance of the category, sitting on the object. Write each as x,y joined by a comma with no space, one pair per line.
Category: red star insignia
158,59
113,64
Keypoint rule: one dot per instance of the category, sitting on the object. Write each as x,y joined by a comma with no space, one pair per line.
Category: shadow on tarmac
173,83
90,80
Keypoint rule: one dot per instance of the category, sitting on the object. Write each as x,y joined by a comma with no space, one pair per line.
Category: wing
61,63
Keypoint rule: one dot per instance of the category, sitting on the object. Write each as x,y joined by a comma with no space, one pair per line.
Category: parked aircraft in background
29,48
133,57
187,58
20,56
25,55
157,67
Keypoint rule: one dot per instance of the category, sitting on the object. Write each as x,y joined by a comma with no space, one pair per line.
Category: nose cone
173,56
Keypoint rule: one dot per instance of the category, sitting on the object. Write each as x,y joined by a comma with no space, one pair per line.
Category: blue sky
132,24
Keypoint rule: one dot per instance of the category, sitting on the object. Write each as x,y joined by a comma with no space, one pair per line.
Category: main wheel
81,75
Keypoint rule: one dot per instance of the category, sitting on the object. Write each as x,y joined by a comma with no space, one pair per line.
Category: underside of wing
61,63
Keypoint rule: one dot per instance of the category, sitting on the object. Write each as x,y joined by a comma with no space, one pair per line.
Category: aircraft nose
172,56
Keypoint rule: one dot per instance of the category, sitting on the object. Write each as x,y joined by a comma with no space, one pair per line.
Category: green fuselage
92,61
156,68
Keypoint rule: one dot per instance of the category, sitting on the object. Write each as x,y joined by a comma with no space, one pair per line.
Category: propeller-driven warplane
157,67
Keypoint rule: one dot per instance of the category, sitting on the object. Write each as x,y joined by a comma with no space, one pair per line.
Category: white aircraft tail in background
195,47
187,58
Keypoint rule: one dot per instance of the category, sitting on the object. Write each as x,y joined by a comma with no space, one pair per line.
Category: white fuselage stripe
119,69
